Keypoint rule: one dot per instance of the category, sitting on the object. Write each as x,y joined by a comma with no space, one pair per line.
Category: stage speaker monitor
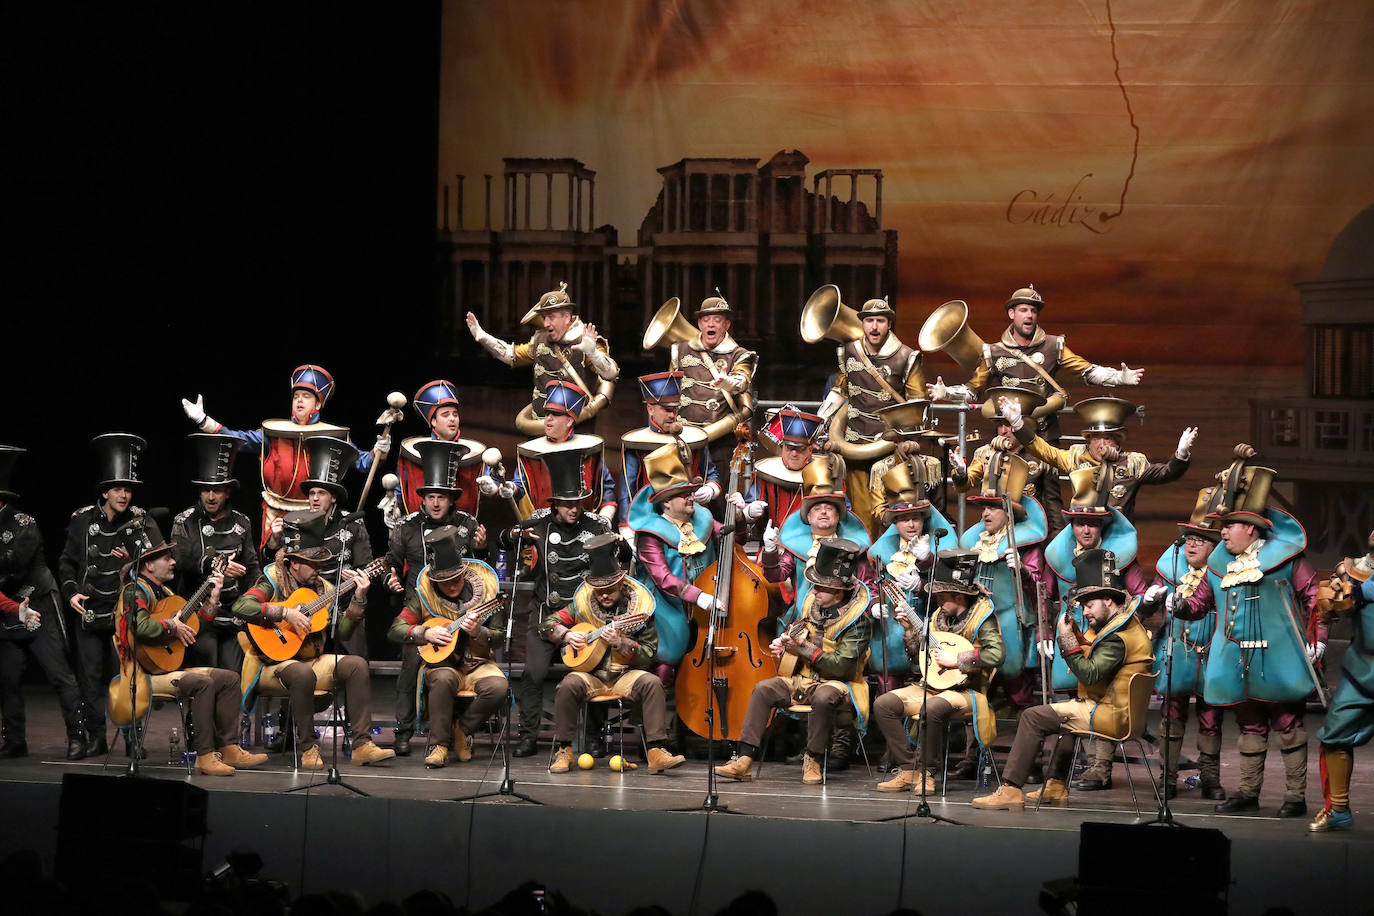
1120,869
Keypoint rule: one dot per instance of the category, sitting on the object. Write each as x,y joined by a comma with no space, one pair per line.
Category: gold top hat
1029,399
906,420
1252,498
903,493
878,308
1104,415
551,301
666,468
1198,523
820,483
1005,477
1089,494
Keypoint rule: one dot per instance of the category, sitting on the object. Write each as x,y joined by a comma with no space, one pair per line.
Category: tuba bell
947,329
825,317
669,326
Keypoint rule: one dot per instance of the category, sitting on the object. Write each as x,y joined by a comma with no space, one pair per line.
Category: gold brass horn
669,326
947,329
826,317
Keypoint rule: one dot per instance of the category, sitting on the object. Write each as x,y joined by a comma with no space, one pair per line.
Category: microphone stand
923,725
507,788
332,777
1165,816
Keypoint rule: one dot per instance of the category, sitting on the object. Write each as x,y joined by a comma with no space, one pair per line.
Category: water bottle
269,728
174,747
245,731
502,565
984,770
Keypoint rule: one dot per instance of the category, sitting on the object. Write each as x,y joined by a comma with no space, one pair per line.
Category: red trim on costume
8,604
816,655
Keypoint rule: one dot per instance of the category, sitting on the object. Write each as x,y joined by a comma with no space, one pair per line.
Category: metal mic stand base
331,778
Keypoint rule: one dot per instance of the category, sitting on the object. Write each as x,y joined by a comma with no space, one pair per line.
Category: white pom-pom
491,457
396,399
390,481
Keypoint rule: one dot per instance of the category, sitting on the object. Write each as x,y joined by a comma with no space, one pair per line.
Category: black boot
1237,803
401,744
11,749
98,746
526,748
841,749
596,746
1293,808
76,745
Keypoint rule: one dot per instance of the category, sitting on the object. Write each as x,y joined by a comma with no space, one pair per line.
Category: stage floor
1269,857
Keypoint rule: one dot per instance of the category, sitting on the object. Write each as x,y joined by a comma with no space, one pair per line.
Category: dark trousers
214,702
441,689
1032,728
889,713
646,692
350,673
405,690
96,666
216,646
826,703
538,657
45,648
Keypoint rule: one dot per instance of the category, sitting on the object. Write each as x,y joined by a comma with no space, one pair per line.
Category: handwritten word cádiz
1028,207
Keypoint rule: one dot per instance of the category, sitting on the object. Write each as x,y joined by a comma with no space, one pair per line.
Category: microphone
940,533
724,530
1181,539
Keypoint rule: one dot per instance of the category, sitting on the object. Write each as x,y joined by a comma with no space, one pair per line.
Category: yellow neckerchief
688,544
904,559
1189,581
1245,567
987,544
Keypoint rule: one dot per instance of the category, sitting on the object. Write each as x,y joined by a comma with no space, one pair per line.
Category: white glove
1153,592
506,490
770,537
1173,602
921,548
705,600
31,618
475,327
1315,651
1013,561
391,510
382,448
938,391
1046,648
958,461
1185,443
755,509
705,493
587,344
488,485
627,534
1011,410
736,500
1130,376
909,581
195,412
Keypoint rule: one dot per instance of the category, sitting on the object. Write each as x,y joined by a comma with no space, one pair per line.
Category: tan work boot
811,770
738,768
239,759
562,760
436,758
213,764
1005,798
311,759
1054,792
660,760
907,781
363,754
462,744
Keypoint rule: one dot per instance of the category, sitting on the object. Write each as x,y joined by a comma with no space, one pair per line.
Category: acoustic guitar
432,654
165,655
594,651
936,678
279,641
792,664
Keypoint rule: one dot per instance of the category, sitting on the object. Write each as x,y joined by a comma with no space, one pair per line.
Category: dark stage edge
608,842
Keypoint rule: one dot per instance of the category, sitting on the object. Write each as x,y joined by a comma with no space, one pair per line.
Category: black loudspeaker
1125,869
114,830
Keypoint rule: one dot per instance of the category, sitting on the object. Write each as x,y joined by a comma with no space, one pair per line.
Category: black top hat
445,546
328,460
116,456
836,560
439,461
149,542
603,561
565,475
9,454
1097,575
214,459
956,571
303,536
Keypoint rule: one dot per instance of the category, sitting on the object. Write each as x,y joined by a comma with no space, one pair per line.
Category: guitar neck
329,597
197,599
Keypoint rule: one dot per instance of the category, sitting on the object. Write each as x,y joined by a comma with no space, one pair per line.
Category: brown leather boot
811,771
239,759
462,744
738,768
660,760
1004,799
436,758
907,781
562,760
212,765
311,759
363,754
1053,791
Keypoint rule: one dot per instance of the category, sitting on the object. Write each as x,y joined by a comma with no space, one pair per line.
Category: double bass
745,616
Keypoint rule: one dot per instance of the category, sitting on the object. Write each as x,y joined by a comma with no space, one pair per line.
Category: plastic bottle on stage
269,729
245,731
174,747
984,770
502,565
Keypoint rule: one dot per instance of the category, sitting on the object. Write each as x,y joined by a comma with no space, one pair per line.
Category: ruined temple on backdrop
754,231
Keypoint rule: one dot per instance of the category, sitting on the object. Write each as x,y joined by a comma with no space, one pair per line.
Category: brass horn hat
666,469
826,317
904,494
1005,477
1251,499
669,326
1089,495
820,483
1029,399
551,301
1198,523
1104,415
947,329
906,420
878,308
